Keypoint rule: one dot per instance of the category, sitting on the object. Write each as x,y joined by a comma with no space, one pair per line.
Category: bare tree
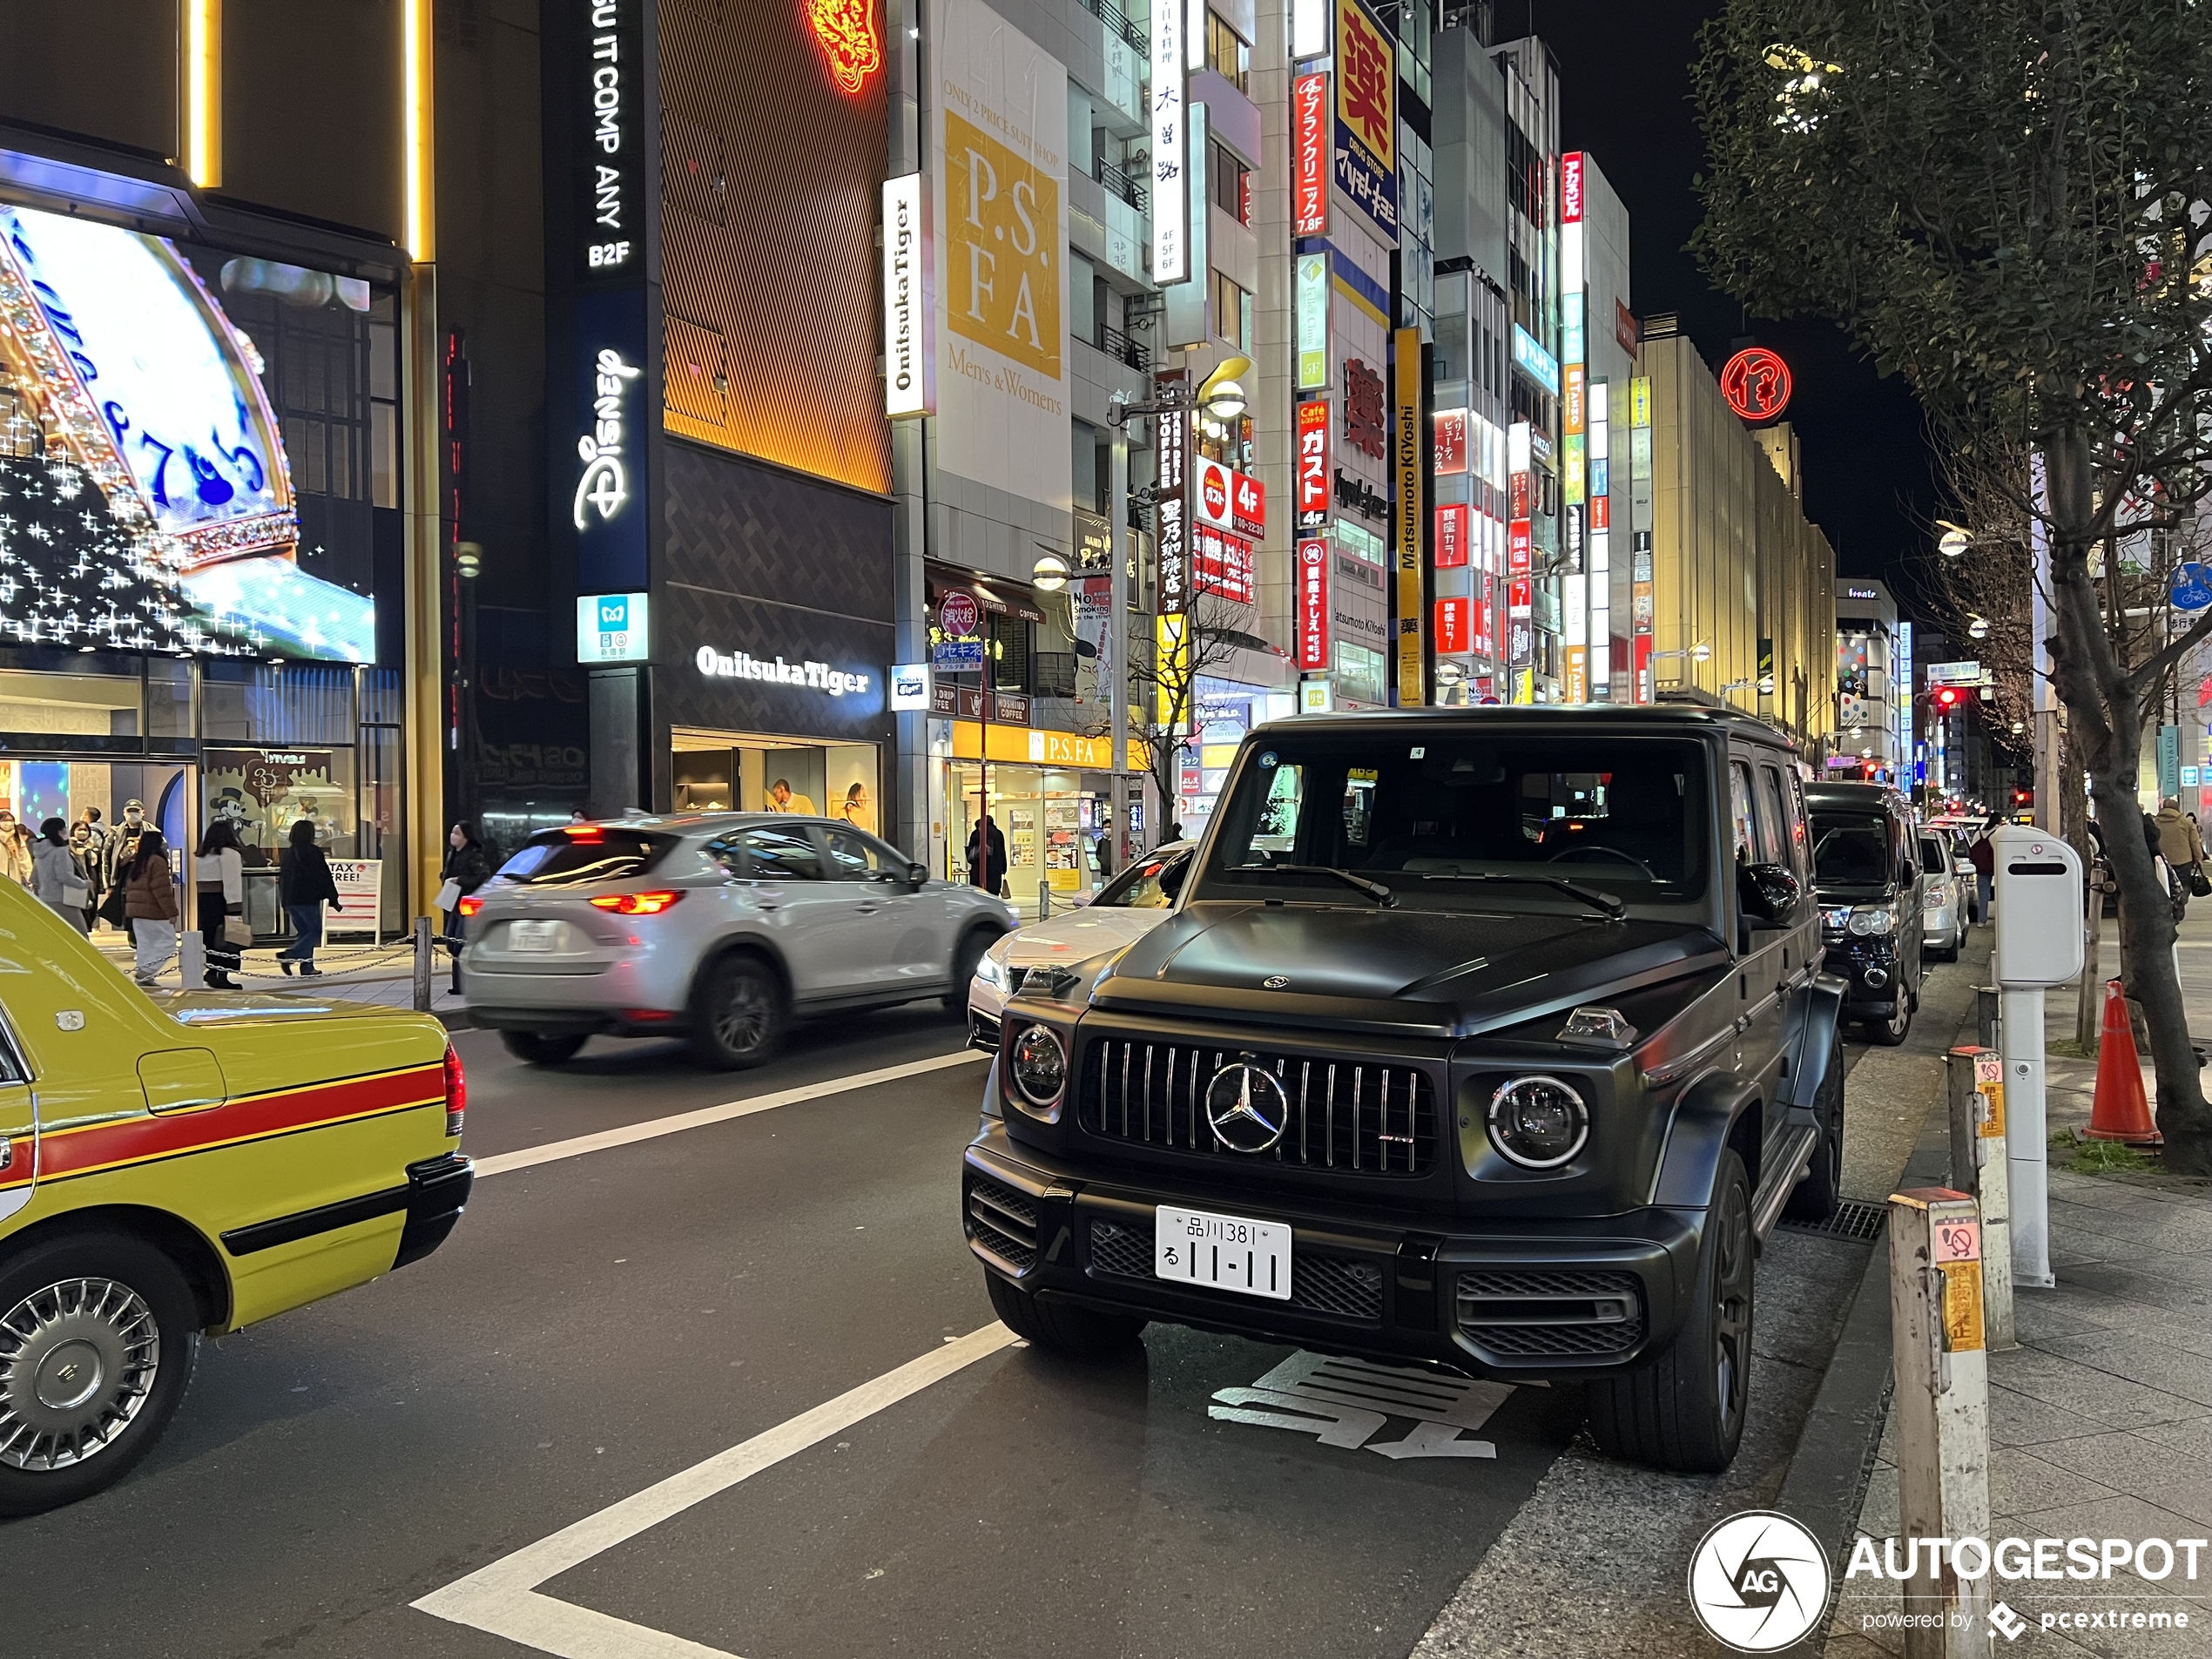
1163,687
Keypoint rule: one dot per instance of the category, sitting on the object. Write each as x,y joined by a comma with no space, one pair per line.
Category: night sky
1625,72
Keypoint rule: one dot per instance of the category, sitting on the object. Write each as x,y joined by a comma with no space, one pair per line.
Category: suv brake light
469,904
636,904
457,1093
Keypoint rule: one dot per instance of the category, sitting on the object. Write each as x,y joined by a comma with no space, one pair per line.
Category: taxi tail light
469,904
457,1093
636,904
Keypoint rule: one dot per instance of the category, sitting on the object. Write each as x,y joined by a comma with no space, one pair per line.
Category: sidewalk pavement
2100,1422
383,974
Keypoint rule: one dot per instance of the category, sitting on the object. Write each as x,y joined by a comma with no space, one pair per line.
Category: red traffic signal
1946,698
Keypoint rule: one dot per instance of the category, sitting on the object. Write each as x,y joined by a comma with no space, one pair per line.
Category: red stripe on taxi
134,1140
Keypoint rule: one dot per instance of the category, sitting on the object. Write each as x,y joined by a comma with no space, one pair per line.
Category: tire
1684,1412
966,954
1893,1031
538,1049
1059,1328
1815,1197
738,1015
105,1303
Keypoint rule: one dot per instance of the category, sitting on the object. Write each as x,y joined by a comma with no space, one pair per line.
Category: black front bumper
1519,1300
437,1192
1849,960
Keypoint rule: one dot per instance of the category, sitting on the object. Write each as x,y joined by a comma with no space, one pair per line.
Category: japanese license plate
1222,1252
533,935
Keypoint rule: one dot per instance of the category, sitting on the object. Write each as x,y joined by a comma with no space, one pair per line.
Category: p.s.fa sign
611,628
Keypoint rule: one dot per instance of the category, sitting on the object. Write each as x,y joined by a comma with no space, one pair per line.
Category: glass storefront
1055,822
747,771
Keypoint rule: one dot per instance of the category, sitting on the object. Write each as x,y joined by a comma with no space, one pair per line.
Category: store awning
994,593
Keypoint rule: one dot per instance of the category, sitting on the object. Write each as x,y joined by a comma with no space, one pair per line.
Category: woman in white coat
220,878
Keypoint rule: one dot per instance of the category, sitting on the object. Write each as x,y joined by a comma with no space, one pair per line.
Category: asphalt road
607,1319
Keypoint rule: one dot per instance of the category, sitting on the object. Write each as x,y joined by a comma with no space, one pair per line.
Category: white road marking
653,1128
1343,1402
504,1600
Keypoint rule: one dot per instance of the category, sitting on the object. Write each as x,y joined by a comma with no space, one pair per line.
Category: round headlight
1040,1063
1871,921
1538,1122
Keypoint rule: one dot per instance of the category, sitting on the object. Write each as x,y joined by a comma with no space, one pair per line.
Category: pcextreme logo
1758,1581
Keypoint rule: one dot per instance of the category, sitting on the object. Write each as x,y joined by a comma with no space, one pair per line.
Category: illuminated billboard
150,504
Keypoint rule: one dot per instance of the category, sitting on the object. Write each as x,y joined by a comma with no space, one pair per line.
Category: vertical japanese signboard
1312,605
1313,300
1312,462
1310,155
1366,125
1170,143
1173,525
1454,523
1409,449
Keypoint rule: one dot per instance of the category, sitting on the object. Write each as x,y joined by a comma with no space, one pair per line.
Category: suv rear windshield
1429,815
586,854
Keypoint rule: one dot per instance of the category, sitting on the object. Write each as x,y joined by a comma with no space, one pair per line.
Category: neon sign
605,482
846,31
1756,382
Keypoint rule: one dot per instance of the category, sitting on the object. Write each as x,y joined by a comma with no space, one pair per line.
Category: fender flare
1704,1120
1816,1042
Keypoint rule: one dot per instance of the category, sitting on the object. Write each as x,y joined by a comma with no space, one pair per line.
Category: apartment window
1231,182
1227,55
1233,312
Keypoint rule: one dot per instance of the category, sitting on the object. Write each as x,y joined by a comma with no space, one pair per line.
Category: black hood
1403,969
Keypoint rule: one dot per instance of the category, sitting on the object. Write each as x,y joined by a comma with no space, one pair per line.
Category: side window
1747,827
782,855
727,854
1774,822
1800,828
856,857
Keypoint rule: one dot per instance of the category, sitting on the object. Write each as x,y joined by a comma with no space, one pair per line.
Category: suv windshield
582,854
1849,849
1150,883
1441,817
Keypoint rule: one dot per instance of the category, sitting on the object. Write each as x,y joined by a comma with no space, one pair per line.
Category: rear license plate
533,935
1222,1252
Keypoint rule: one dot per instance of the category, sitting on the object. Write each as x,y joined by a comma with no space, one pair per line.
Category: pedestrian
121,845
15,850
149,902
85,842
2182,846
1983,856
220,889
1174,834
575,815
986,856
467,867
305,886
58,874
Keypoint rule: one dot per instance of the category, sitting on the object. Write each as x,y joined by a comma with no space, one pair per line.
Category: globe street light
1978,628
1954,542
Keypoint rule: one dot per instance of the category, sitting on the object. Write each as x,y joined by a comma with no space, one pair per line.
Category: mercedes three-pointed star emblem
1247,1108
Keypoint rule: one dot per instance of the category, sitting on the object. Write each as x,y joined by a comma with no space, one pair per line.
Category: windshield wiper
1613,909
1375,890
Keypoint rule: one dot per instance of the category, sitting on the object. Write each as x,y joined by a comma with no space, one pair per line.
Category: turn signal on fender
635,904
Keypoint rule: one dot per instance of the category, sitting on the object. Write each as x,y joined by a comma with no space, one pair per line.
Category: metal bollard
1942,1406
1986,1014
1044,900
1979,1169
192,959
425,958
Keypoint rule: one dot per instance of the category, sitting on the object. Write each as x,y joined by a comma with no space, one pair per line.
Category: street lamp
1954,541
1220,396
1978,627
1049,574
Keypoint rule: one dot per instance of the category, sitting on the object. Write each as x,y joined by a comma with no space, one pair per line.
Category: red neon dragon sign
846,31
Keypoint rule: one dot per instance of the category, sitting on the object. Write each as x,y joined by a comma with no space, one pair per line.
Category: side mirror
1768,893
917,875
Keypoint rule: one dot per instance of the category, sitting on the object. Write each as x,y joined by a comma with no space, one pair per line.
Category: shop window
1009,653
1233,312
1231,182
781,855
1227,55
295,703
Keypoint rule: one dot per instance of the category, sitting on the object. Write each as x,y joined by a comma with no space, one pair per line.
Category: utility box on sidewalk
2040,936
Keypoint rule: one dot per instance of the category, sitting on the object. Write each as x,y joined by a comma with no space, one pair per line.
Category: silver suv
723,927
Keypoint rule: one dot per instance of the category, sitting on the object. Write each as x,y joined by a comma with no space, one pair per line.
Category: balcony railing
1117,20
1116,182
1119,345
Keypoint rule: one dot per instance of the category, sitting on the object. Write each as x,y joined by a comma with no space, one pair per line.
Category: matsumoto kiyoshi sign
804,676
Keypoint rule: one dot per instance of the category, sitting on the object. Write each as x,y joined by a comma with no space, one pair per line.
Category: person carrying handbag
221,884
149,903
467,867
305,886
2181,847
58,874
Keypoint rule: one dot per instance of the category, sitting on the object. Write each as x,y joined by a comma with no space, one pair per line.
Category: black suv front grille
1362,1116
1320,1283
1003,1221
1532,1312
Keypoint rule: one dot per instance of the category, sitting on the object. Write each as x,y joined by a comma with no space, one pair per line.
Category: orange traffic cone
2120,1113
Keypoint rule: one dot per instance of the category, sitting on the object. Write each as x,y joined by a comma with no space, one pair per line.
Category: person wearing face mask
221,896
14,851
149,900
85,842
57,875
123,841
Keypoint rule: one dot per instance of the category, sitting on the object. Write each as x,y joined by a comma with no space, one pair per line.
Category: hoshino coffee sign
909,299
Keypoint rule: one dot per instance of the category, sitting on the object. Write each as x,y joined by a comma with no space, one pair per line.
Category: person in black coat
987,855
304,886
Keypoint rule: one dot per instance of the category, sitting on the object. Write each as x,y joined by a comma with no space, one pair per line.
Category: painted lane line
653,1128
502,1598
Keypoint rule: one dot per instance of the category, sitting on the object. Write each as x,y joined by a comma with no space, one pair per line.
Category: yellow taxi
175,1164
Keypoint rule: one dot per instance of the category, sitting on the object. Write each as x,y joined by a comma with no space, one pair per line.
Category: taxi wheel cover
97,1339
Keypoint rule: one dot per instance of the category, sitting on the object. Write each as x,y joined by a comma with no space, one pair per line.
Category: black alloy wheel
738,1015
1898,1026
1683,1411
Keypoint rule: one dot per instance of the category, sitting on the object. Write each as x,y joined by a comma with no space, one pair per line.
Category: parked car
1492,1038
175,1164
1867,880
1123,911
1946,896
722,927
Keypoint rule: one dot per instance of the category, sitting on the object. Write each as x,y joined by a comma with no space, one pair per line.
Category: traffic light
2023,799
1947,698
